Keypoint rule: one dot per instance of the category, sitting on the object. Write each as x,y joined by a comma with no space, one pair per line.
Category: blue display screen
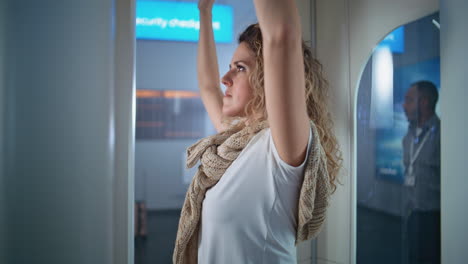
179,21
395,40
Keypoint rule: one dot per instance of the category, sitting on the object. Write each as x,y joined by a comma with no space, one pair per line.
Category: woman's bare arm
207,66
284,77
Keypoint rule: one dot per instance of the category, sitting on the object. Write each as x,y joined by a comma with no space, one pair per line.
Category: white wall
61,89
124,135
346,33
454,145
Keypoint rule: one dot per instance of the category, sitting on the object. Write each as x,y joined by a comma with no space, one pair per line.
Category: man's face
411,104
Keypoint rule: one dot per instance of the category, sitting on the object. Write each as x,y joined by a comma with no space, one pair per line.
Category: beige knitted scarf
216,154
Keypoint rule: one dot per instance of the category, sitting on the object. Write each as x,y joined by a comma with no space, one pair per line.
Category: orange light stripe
181,94
140,93
148,93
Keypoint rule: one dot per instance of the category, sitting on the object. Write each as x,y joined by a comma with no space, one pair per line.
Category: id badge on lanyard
410,177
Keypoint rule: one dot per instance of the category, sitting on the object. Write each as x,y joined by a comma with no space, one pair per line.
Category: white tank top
250,215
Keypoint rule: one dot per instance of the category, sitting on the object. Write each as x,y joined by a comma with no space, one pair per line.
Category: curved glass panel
398,148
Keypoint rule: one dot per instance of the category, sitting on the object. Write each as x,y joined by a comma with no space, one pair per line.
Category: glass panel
398,148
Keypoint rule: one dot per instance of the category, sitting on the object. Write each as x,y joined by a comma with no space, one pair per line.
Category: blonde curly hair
316,92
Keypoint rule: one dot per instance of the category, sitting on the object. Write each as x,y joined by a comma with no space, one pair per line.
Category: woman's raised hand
207,66
205,4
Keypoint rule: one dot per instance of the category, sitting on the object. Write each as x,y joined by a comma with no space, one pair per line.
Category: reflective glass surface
398,148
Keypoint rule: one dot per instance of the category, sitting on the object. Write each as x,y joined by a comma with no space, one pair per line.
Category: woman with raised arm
265,179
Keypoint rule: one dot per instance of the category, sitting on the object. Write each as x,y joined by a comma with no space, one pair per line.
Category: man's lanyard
414,155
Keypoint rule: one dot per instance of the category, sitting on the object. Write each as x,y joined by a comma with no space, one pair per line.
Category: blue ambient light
179,21
395,40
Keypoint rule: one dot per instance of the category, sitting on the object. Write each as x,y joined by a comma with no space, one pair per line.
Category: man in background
421,157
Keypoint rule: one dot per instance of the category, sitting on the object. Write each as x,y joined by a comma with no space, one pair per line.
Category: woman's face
238,90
